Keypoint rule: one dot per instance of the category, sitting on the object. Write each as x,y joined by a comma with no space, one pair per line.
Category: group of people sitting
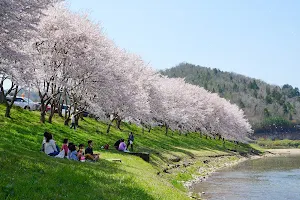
121,145
71,151
68,150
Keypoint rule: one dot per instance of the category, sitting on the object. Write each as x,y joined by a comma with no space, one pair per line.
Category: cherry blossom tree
186,108
72,58
63,56
17,24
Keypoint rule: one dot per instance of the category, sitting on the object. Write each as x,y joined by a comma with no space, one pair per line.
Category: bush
278,143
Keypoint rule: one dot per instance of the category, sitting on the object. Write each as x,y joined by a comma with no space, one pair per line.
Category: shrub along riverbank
278,144
27,173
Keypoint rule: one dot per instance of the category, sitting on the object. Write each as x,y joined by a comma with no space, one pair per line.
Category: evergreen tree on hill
258,99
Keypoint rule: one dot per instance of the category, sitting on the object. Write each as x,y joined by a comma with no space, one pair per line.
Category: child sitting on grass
89,154
70,144
65,146
80,153
73,152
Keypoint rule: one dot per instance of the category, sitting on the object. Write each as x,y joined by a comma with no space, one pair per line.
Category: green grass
278,144
27,173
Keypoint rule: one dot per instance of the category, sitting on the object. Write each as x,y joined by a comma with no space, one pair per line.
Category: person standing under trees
73,125
130,141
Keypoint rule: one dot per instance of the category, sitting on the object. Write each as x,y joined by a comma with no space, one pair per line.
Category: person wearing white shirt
73,125
50,147
44,141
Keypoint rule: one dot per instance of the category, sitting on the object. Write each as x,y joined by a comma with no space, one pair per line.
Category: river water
273,178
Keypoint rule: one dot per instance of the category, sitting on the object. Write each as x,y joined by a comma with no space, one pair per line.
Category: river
273,178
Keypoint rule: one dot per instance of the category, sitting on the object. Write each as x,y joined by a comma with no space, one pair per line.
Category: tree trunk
43,116
43,112
67,116
2,98
109,125
60,106
51,112
76,120
108,128
44,101
67,112
7,112
66,122
9,105
75,110
167,128
81,116
118,122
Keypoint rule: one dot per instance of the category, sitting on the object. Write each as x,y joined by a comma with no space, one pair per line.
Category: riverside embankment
27,173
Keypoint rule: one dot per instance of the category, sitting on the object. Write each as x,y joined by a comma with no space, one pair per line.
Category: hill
263,104
27,173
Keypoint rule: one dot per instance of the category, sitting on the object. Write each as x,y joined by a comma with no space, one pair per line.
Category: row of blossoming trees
69,60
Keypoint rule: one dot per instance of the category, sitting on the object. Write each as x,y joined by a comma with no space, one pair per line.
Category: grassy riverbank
27,173
278,144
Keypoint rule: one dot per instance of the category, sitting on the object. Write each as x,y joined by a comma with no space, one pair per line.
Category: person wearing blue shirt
130,141
73,152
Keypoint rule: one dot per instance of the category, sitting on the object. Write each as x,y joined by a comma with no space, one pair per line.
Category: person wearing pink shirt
65,146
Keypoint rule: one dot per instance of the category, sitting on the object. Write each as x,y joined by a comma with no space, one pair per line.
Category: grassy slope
27,173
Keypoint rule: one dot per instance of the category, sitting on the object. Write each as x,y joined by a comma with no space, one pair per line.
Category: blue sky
260,39
256,38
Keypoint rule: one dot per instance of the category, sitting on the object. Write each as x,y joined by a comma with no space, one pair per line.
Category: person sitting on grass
73,152
116,145
69,145
80,153
89,154
65,146
51,148
122,146
44,141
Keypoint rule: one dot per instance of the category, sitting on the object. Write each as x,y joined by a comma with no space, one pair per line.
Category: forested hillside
263,104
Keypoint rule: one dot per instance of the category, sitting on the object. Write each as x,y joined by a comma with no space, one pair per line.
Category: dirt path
285,151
